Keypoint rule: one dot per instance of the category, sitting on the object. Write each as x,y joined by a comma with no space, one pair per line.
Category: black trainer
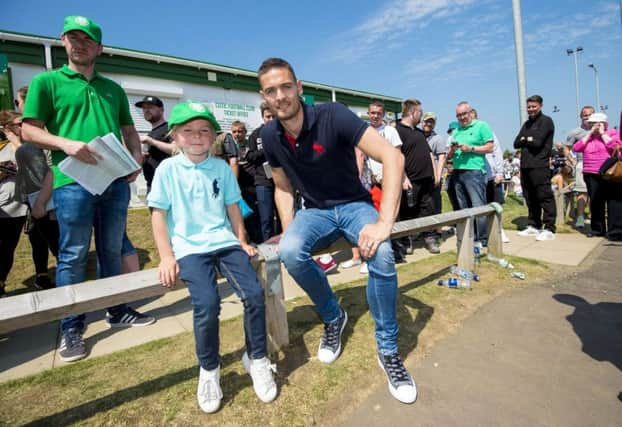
72,346
129,318
330,343
401,384
43,282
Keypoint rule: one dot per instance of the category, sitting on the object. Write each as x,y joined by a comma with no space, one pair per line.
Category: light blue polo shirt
195,196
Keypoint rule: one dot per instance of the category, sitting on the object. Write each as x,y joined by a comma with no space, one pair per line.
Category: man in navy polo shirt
311,149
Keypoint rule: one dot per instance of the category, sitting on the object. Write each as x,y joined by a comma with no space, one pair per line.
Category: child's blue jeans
199,273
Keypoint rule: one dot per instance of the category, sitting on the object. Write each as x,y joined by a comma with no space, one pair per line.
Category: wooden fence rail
34,308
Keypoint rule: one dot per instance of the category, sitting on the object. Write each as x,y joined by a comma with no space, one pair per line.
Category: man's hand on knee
371,236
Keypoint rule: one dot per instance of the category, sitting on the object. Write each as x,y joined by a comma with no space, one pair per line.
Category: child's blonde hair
171,134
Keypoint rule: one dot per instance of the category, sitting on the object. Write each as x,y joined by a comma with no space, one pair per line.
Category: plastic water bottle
410,198
501,261
518,275
453,282
477,251
465,274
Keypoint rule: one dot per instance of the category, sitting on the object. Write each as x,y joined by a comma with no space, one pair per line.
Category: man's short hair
379,104
535,98
271,63
463,103
409,105
238,124
587,107
263,107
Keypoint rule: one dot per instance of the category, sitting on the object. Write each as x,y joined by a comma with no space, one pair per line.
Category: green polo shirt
476,134
75,108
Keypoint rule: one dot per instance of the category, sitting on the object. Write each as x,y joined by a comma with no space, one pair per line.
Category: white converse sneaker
350,263
330,343
261,371
401,384
529,231
209,393
545,235
364,269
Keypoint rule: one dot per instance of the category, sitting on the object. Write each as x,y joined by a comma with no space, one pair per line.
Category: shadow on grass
230,385
301,320
354,300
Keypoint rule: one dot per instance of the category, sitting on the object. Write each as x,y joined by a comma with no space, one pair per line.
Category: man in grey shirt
438,148
579,187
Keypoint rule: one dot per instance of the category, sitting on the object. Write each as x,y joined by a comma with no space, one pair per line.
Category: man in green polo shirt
65,109
469,144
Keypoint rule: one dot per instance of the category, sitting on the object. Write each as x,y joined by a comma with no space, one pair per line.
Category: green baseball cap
84,24
188,110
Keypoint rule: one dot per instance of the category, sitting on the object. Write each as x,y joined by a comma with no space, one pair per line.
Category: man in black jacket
264,185
535,141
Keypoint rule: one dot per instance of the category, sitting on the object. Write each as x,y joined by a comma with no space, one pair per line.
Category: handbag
611,169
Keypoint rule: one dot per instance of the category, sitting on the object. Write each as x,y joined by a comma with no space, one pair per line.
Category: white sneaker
504,237
545,235
364,269
261,371
529,231
350,263
209,393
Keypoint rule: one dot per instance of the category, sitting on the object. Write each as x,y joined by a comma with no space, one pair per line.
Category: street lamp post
574,53
520,61
598,104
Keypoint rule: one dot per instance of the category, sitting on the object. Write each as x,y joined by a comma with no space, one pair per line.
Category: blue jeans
199,273
314,229
265,206
78,213
471,193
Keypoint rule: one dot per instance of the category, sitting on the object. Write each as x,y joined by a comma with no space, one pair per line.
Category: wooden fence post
465,242
495,242
269,273
559,208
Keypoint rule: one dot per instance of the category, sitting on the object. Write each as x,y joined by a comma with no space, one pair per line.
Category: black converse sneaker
330,343
401,384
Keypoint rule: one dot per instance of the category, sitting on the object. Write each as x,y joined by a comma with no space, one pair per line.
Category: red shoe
327,266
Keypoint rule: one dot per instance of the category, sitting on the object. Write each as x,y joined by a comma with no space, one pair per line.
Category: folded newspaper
116,162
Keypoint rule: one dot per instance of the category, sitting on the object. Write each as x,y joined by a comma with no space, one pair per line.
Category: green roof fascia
363,101
24,53
136,66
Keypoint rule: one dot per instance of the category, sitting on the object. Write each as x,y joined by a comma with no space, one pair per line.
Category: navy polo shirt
320,163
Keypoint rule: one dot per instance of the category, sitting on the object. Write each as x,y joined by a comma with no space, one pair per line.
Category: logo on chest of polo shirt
318,148
215,188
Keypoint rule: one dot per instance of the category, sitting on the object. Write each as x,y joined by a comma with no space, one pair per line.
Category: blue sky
439,51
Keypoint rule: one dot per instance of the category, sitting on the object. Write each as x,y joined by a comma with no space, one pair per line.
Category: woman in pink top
605,203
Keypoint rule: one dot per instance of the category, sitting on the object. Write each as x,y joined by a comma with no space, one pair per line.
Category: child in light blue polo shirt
198,229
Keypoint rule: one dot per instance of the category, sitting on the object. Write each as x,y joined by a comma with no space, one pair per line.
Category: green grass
155,383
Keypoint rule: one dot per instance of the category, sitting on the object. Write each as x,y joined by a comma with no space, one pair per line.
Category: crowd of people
307,176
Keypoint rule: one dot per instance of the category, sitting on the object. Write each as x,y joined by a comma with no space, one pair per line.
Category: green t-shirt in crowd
75,108
476,134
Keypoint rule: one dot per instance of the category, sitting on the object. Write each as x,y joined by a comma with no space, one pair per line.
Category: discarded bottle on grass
477,252
465,274
518,275
501,261
453,282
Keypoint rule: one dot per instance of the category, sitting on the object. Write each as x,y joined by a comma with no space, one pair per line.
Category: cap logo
81,20
195,106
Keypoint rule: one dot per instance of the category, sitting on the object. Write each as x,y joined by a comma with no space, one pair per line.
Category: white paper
116,162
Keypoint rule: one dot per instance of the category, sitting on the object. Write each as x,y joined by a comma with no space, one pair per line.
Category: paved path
546,355
33,350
